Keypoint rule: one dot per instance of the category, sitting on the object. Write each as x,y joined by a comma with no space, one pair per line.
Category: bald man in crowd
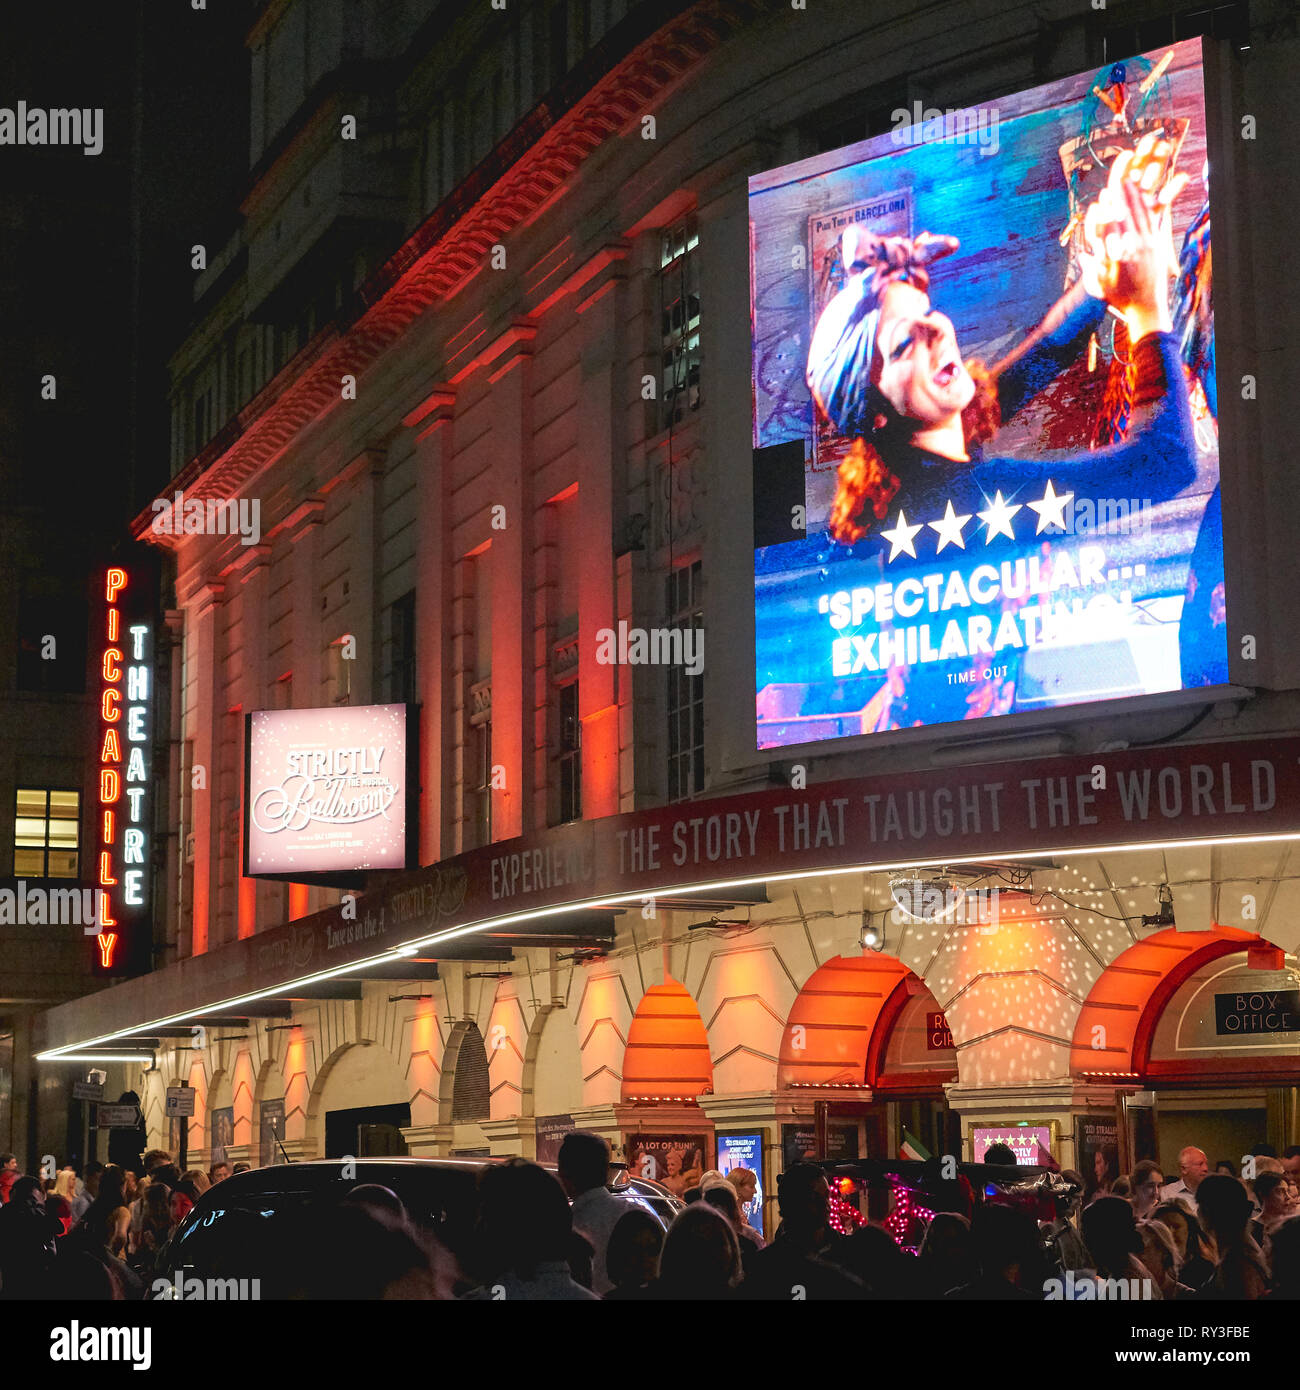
1193,1166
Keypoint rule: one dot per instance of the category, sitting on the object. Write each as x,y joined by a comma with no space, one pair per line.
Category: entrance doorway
368,1131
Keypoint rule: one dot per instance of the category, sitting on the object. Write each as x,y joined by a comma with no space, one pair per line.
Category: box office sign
326,790
1258,1010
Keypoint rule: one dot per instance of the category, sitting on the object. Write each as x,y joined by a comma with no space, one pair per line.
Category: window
685,691
47,834
401,650
471,1085
341,656
52,643
479,781
570,754
679,316
1126,38
558,47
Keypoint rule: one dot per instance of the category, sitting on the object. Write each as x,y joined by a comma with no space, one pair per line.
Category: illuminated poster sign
1031,1144
985,412
745,1151
326,790
125,772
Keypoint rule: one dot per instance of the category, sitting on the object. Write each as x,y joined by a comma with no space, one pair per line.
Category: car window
253,1234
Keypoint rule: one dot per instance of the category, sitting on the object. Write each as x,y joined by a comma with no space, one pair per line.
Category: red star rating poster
1000,378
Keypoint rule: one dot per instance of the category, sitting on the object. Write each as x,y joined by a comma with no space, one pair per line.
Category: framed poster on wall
1097,1151
1034,1142
799,1142
674,1160
745,1151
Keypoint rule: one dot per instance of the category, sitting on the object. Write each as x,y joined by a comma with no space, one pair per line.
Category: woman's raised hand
894,257
1129,255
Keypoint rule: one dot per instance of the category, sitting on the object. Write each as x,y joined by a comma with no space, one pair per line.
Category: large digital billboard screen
986,463
326,790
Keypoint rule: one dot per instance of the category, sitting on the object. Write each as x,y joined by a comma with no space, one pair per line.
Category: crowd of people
565,1235
93,1233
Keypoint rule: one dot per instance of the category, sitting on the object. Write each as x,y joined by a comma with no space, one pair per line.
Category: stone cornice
309,512
253,441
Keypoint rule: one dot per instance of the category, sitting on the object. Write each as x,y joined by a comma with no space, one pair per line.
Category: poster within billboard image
676,1161
1010,363
327,789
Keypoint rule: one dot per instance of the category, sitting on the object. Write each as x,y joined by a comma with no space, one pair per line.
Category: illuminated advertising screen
326,790
986,464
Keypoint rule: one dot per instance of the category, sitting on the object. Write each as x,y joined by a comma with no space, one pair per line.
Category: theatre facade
579,889
768,964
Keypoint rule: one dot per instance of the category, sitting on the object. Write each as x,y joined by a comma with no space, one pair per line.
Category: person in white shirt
583,1162
1193,1166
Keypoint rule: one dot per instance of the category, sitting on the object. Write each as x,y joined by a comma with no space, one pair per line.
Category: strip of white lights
675,890
102,1057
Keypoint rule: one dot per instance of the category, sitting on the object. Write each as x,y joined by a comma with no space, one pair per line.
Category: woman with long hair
107,1221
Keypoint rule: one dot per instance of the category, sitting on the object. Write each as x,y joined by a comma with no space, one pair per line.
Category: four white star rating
900,538
997,520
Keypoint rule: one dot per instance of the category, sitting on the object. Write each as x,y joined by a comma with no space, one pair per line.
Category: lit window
679,318
47,834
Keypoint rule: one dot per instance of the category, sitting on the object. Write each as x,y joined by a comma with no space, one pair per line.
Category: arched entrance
360,1103
1204,1027
666,1068
868,1040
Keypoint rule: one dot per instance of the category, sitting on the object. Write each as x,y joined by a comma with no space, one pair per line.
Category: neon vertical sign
124,825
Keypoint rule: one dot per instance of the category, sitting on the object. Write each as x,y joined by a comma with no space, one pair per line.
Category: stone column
602,490
760,1112
512,1138
428,1141
251,568
1055,1103
513,638
434,446
204,729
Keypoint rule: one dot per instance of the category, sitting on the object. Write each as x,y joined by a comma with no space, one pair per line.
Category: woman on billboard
885,367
